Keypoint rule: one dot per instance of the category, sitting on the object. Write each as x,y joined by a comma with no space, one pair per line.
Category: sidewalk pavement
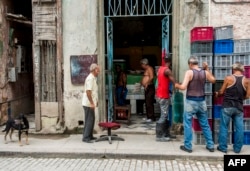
140,146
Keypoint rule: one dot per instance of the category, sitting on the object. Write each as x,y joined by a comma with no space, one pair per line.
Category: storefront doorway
135,29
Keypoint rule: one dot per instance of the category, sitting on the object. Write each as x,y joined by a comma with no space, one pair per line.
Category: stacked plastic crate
242,55
223,51
246,123
202,47
223,60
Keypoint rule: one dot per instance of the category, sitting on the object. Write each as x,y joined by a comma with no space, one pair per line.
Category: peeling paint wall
232,14
79,38
193,13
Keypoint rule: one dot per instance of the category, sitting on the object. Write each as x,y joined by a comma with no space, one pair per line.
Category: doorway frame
102,42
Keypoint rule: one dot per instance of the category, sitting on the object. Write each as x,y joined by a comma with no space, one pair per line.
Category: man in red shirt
164,78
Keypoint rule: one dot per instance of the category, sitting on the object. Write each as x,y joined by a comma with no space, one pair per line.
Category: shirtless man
121,82
148,84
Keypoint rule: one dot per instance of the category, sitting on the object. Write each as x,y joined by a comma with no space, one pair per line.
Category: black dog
21,124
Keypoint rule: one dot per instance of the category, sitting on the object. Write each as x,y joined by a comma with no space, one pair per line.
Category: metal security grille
48,70
122,8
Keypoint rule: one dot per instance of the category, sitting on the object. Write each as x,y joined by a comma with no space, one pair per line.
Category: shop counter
132,96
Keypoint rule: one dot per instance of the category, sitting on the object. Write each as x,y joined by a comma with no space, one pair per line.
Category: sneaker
149,120
163,139
223,151
210,149
182,147
88,141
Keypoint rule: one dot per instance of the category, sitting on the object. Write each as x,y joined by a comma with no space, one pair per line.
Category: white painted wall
79,38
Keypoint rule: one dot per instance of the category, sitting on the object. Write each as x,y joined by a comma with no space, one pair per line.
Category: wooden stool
109,136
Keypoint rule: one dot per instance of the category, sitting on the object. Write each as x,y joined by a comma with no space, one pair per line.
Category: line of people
235,88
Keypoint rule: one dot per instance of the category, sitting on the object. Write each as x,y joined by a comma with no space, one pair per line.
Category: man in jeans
195,104
164,78
235,89
121,83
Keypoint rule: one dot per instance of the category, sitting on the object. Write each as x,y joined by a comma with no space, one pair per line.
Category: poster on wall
79,67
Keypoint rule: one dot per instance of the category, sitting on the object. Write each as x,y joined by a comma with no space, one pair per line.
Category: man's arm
88,92
247,88
187,78
151,75
210,77
124,80
169,74
223,87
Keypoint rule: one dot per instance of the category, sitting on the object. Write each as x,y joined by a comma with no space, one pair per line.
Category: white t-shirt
90,84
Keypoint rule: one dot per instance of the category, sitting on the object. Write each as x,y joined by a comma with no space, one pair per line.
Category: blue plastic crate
223,46
246,138
217,111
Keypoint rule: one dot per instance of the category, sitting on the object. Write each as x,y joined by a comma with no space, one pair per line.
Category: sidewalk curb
108,156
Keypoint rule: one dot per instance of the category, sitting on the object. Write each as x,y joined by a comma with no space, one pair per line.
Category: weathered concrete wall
3,59
232,14
195,13
79,38
3,46
192,14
